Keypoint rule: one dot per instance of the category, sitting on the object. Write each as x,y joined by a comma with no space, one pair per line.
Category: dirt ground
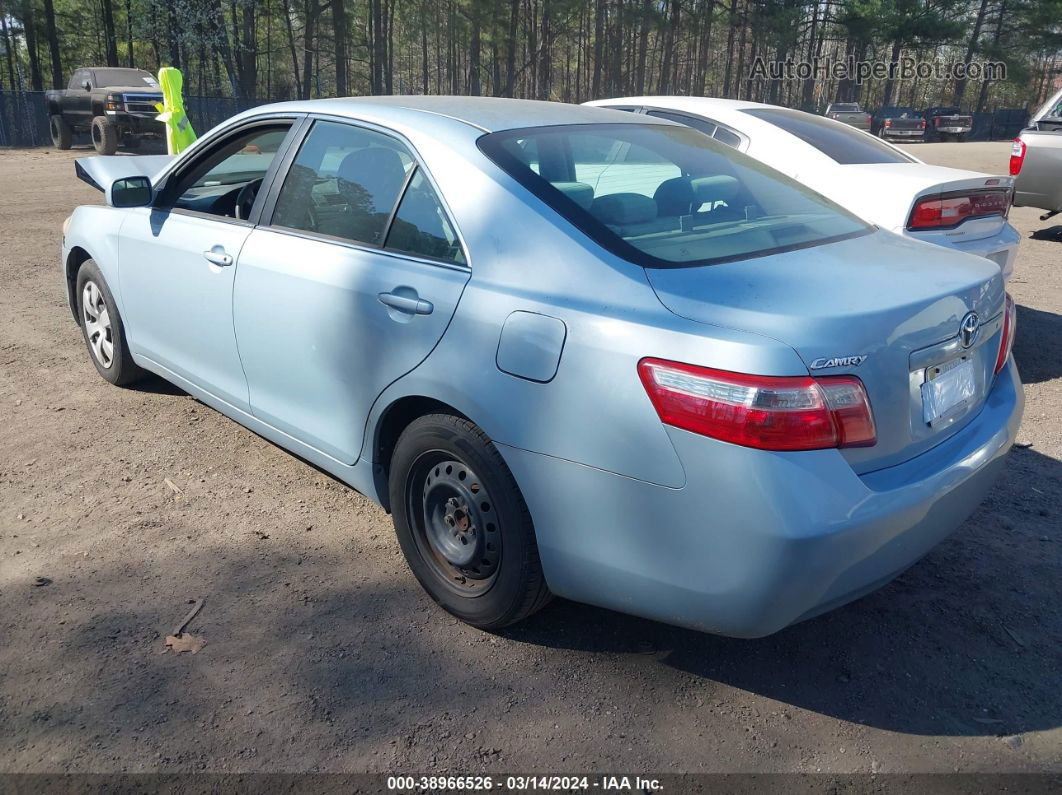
323,654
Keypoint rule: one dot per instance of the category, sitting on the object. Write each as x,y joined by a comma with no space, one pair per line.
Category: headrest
674,196
720,188
620,209
579,192
377,169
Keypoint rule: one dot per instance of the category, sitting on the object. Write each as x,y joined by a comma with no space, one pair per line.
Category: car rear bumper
1001,248
756,540
890,133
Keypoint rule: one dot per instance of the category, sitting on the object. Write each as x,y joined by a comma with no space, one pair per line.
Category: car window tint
705,126
343,183
421,226
836,140
662,195
214,184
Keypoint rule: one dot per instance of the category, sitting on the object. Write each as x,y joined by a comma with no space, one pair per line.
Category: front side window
226,182
664,196
839,142
344,183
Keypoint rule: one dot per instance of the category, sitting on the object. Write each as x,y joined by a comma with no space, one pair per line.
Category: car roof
488,114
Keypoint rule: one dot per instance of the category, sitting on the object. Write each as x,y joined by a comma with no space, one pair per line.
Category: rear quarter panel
1040,182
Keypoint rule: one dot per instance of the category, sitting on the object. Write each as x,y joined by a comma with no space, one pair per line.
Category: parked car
1036,160
947,124
507,323
848,113
115,106
954,208
898,122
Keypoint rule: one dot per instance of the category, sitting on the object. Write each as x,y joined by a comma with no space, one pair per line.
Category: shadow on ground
1038,345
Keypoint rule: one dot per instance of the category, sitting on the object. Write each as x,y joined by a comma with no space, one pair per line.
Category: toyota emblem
968,329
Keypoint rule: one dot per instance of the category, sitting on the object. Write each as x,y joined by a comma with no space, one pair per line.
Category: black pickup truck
898,122
116,106
947,124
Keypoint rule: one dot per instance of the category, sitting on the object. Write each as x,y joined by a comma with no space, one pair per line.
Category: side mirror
85,84
130,192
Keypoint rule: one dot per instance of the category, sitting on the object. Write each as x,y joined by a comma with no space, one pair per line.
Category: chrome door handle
415,306
218,256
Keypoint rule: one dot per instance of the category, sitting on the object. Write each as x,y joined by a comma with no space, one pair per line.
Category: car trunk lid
917,181
868,307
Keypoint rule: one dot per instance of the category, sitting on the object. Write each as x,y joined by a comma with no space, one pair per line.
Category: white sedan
963,210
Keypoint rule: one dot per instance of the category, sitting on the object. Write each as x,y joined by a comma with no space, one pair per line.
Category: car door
177,258
348,287
79,99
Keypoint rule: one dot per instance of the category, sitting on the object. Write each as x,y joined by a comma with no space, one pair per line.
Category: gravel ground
323,654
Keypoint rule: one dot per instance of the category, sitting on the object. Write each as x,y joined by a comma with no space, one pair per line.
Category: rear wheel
104,135
462,523
62,135
102,328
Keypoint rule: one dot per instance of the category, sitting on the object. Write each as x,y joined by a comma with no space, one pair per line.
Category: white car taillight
936,212
765,412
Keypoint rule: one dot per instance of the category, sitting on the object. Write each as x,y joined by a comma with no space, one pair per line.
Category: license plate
947,389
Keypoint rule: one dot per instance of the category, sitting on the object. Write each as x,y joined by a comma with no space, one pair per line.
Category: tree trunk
982,96
339,23
53,44
474,87
29,28
897,48
732,28
292,48
109,35
971,48
129,33
599,47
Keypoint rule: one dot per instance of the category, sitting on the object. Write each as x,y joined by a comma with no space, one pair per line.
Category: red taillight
936,212
923,125
936,121
1017,156
868,118
1006,340
766,412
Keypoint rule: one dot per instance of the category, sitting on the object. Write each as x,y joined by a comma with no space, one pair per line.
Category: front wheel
102,328
462,523
104,135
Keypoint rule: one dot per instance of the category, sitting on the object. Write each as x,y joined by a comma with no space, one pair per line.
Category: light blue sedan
573,351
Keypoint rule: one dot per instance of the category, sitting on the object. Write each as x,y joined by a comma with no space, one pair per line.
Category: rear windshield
665,196
124,78
897,112
837,141
844,107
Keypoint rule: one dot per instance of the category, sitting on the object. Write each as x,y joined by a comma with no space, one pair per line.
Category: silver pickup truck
1036,160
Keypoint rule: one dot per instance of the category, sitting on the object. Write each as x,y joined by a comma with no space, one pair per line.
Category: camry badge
838,361
968,329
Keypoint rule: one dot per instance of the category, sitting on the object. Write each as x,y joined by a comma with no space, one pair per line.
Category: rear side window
706,127
344,183
837,141
421,226
355,184
663,195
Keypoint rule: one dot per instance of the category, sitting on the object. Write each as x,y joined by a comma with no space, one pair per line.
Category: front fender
92,233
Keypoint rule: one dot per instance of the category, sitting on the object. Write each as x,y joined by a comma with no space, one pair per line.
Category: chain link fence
24,118
24,115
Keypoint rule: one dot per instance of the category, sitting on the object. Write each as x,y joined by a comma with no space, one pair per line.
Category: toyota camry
572,351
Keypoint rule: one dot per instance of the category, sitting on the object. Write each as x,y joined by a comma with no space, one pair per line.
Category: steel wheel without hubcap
97,322
454,523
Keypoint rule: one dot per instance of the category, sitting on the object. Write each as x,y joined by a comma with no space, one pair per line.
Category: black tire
960,138
115,365
447,479
104,135
62,135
